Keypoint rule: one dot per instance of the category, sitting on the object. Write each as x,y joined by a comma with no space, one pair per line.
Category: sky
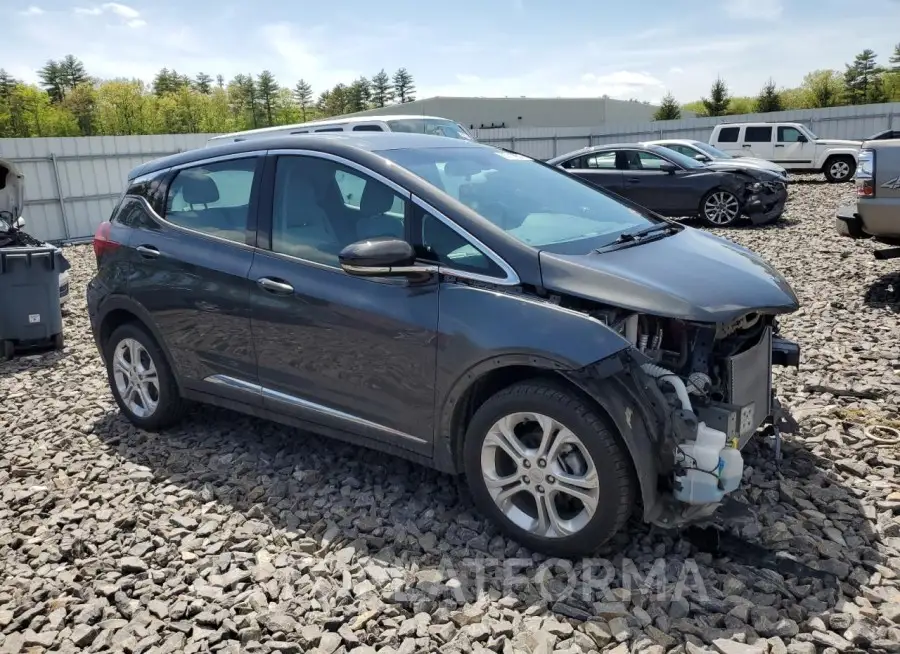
494,48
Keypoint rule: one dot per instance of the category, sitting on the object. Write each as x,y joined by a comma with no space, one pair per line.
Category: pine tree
769,99
717,104
358,95
668,109
861,79
203,83
303,94
895,59
267,88
382,91
404,88
52,78
72,72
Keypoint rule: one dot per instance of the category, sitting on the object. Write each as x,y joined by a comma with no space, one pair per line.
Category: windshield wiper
641,236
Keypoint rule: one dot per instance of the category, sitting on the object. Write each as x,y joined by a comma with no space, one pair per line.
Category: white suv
791,145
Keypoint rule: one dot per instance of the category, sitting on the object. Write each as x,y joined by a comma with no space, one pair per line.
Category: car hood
839,142
745,164
690,275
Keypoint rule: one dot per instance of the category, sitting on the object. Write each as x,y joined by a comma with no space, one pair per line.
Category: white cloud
129,15
676,70
754,9
32,11
122,10
623,84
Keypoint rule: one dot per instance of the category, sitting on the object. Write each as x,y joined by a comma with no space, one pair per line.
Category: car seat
377,199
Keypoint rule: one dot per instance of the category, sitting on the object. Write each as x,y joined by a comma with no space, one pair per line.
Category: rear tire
839,169
546,466
141,379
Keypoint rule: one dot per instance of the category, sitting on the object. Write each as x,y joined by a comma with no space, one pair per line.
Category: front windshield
437,127
716,153
676,157
539,205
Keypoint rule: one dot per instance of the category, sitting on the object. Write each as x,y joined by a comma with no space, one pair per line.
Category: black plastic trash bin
30,314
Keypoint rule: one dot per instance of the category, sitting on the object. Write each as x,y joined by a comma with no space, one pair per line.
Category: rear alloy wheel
720,208
839,169
543,464
141,380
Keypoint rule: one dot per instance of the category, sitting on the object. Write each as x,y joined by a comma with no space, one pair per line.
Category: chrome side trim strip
292,400
510,279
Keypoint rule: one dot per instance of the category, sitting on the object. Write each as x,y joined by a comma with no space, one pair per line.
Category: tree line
863,81
70,102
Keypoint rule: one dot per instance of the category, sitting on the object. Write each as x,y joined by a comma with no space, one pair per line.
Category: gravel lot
231,534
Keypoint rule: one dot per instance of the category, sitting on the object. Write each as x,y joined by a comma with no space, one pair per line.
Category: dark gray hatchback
573,355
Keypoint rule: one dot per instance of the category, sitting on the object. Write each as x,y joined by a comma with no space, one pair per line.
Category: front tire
840,169
544,465
720,208
141,379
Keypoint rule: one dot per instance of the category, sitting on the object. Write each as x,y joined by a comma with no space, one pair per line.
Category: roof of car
338,143
325,121
598,148
682,141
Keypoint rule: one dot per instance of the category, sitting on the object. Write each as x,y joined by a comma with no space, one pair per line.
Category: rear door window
761,134
213,198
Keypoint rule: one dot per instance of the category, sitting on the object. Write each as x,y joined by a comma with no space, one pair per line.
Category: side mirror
20,223
702,158
802,139
669,168
378,257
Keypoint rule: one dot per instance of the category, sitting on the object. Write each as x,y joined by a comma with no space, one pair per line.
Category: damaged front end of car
700,392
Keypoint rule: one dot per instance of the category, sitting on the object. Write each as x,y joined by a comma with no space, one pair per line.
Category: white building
486,113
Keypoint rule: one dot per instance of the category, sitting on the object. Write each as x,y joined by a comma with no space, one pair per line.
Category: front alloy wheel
720,209
840,169
544,464
540,475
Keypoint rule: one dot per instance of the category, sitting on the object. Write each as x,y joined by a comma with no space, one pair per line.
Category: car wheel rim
721,208
540,475
840,169
136,378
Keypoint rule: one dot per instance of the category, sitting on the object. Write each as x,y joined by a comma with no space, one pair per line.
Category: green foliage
862,80
69,103
718,101
668,109
769,99
404,89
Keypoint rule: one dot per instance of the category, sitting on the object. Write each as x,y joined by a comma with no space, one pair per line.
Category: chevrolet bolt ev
573,355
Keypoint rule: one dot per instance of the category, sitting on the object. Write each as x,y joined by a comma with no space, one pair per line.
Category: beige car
876,213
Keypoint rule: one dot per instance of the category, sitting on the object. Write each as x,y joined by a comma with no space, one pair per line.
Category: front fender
481,330
831,152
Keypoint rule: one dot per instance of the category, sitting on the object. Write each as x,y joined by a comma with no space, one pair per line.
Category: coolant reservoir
731,469
700,459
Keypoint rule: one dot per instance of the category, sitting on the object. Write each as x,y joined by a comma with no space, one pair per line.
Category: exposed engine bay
716,380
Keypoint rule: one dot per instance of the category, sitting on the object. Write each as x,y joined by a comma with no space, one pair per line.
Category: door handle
746,145
275,286
779,145
633,180
147,251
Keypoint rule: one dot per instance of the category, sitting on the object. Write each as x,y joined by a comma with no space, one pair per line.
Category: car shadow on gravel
884,293
420,527
26,361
